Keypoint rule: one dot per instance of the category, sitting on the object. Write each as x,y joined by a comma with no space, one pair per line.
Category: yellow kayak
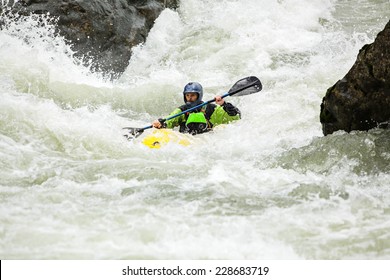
161,137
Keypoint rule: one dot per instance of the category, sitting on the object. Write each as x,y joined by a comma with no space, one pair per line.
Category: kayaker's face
191,96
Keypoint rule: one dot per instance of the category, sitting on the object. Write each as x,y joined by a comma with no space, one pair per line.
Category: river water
269,186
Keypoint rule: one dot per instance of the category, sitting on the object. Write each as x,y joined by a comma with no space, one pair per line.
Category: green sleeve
220,116
175,121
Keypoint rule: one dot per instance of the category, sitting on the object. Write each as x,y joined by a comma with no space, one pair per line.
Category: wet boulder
361,100
103,32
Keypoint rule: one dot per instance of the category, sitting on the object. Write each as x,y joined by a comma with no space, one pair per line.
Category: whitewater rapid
270,186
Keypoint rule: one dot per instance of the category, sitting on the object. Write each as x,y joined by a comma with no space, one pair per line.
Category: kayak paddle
242,87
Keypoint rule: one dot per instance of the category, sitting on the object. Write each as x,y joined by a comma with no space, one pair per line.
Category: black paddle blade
246,86
132,132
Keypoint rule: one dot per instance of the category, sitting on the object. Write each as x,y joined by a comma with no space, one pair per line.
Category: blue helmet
193,87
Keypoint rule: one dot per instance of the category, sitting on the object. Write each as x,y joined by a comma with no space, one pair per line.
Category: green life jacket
196,123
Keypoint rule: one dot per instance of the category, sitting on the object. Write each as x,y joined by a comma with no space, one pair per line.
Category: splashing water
267,187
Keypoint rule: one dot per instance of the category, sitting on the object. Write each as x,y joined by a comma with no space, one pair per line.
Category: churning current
269,186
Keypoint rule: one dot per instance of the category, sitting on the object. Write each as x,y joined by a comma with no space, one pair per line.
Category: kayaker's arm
229,108
220,116
169,123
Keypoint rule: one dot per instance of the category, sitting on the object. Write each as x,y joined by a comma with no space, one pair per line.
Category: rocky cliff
104,31
361,100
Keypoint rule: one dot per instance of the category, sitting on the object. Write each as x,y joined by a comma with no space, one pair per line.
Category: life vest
198,121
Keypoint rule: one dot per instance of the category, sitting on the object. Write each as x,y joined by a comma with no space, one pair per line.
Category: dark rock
103,32
361,100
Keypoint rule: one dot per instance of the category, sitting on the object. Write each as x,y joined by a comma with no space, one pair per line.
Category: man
202,119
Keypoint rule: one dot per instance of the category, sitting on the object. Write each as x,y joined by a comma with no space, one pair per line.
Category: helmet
193,87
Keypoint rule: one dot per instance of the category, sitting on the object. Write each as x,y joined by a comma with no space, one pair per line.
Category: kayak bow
161,137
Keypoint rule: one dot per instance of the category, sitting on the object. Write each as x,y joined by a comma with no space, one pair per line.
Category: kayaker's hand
219,100
160,123
156,124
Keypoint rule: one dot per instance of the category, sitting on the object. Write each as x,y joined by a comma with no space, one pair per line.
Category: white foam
268,186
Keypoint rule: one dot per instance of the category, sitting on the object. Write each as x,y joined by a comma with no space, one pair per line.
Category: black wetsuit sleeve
230,109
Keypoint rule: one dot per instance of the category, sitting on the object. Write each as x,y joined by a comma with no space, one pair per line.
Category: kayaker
202,119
